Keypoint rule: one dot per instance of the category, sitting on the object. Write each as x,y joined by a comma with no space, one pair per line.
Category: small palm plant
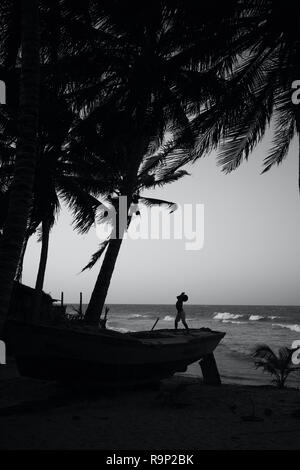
279,366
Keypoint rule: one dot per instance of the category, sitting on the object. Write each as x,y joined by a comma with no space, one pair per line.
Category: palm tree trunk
96,304
42,270
98,297
22,186
19,271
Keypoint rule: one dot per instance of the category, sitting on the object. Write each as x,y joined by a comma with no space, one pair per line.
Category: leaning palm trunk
42,269
22,186
96,304
98,297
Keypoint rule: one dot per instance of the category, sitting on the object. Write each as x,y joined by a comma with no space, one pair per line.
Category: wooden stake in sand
80,304
155,324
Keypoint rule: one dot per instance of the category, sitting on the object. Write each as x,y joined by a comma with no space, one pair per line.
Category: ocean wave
168,318
289,327
226,316
237,322
137,315
256,317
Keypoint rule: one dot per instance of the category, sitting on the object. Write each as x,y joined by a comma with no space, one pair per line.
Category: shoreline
182,414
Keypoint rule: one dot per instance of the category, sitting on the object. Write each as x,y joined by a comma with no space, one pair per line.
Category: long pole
155,324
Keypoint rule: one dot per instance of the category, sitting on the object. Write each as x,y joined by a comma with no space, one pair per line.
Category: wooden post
62,299
155,324
210,371
80,304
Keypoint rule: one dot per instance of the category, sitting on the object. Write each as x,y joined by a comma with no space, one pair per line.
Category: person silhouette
180,312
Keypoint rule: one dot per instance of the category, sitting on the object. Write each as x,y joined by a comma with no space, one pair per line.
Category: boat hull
66,354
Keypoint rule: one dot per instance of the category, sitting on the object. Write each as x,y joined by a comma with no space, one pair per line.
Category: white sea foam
226,316
237,322
120,330
290,327
168,318
255,317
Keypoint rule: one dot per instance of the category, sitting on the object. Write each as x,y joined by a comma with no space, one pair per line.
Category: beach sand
182,414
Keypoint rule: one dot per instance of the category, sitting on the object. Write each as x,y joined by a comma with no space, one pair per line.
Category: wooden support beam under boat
210,371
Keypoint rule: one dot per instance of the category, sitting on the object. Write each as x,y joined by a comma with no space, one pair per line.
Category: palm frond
82,205
96,256
151,202
172,155
285,130
280,365
264,352
164,179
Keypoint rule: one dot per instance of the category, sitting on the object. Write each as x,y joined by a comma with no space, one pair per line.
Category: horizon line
200,305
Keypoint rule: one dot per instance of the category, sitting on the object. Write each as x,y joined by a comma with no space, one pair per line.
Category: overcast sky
251,251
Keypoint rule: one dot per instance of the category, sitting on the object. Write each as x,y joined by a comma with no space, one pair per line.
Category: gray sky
251,252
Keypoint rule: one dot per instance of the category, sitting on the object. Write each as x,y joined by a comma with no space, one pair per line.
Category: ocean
245,327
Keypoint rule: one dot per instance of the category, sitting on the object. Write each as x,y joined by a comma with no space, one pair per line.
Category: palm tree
153,69
259,90
22,186
279,366
157,67
105,147
57,177
63,32
67,183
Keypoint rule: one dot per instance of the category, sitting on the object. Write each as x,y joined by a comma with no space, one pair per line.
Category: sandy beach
182,414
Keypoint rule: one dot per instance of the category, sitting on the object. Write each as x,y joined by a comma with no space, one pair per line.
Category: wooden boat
81,354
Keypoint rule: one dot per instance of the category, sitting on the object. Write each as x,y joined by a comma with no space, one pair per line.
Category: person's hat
182,296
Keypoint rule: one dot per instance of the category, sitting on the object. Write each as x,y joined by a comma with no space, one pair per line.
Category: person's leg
177,319
183,320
